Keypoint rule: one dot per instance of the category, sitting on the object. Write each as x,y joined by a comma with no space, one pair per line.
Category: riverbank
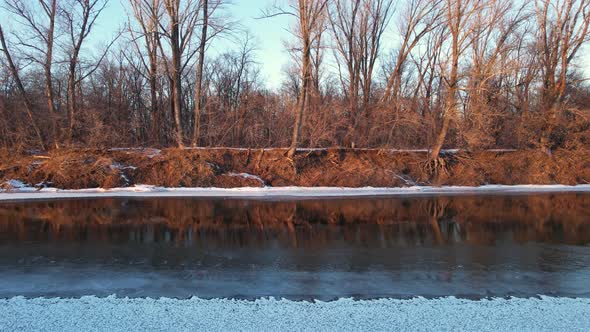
419,314
234,168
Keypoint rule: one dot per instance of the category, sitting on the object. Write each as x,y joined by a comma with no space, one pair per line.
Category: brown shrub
74,169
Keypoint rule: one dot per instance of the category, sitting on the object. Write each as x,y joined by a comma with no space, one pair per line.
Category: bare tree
233,80
376,16
210,28
183,18
80,17
344,21
418,19
309,16
147,15
174,35
562,29
492,39
15,74
37,35
458,15
244,81
357,28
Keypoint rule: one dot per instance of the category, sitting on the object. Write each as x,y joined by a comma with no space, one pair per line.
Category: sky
268,33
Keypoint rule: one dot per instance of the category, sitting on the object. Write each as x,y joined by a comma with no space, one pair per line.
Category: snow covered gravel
419,314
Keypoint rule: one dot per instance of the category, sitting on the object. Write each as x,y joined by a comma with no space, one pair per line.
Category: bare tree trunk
72,101
199,83
177,87
48,75
173,7
302,101
156,114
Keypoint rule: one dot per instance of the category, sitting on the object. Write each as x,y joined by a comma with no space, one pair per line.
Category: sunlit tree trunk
199,83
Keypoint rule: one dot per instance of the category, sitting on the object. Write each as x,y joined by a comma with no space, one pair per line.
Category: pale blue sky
269,34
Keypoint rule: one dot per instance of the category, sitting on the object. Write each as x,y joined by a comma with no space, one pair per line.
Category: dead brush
75,170
12,167
178,169
465,169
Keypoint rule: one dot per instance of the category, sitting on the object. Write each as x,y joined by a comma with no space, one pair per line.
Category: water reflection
368,222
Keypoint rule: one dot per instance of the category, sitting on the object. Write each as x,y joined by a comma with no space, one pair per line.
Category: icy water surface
467,246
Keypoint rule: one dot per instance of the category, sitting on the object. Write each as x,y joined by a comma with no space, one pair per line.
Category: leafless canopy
428,74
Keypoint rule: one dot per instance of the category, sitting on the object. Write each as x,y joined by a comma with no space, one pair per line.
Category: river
471,246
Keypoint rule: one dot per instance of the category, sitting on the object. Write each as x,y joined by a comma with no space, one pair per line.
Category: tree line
430,74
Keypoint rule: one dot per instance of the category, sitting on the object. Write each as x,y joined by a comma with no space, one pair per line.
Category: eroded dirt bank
76,169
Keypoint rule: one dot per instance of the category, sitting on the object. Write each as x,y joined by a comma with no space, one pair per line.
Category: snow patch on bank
13,185
195,314
449,151
149,152
29,193
247,176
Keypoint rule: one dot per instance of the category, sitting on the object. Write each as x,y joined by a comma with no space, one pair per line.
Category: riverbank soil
226,168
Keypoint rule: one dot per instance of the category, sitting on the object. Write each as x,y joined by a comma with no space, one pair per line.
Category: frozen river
469,246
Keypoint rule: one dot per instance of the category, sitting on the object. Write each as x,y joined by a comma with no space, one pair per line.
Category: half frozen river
463,245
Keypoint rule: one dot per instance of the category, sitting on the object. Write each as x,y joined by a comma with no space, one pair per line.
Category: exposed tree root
437,166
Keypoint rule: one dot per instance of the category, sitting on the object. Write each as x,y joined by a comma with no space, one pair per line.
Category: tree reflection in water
366,222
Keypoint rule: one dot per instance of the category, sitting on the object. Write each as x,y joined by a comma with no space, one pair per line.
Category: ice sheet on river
419,314
26,193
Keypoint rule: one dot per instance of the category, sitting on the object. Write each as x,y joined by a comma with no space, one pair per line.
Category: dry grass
75,169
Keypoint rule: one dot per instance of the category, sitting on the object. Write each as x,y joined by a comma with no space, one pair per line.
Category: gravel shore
444,314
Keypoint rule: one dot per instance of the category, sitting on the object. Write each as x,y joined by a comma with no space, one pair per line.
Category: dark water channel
467,246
